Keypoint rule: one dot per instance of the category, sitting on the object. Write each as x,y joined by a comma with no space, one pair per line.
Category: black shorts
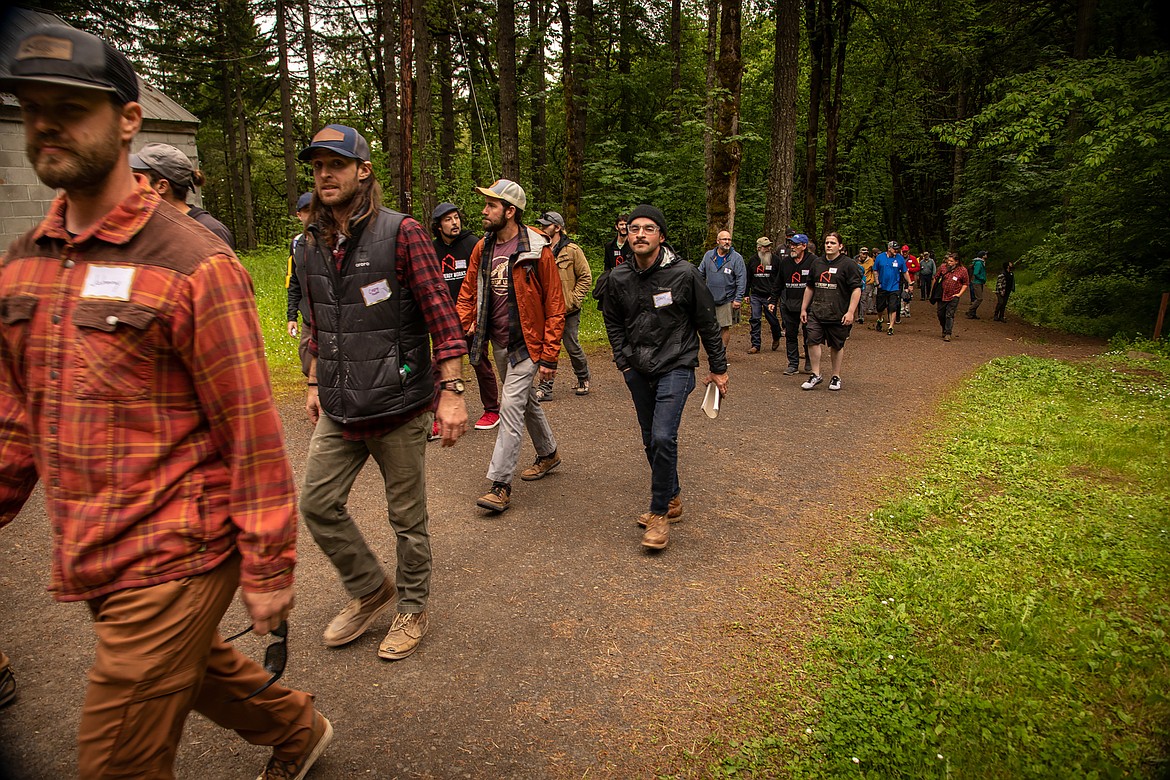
832,333
889,300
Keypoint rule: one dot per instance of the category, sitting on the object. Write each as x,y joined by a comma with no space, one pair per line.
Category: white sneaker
835,383
812,382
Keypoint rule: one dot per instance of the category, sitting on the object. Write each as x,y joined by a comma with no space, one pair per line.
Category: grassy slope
1013,621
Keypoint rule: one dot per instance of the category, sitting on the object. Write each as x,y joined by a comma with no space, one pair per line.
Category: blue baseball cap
799,238
304,201
338,139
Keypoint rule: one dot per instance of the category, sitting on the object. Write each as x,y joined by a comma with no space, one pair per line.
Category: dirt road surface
558,648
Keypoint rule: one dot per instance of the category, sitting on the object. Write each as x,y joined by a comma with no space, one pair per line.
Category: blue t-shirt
889,271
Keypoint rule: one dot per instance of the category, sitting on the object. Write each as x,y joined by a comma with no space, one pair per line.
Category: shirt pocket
115,350
16,313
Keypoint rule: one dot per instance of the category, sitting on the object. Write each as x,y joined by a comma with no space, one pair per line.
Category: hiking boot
300,766
947,337
357,616
543,465
673,513
544,391
812,382
835,383
404,636
497,499
753,350
791,370
487,421
582,387
657,532
775,344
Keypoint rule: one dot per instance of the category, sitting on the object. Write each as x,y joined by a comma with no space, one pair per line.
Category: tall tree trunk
1085,11
427,151
625,23
509,103
388,89
785,74
833,114
230,144
288,142
814,24
447,99
575,50
406,197
957,167
311,64
709,117
727,152
675,45
538,152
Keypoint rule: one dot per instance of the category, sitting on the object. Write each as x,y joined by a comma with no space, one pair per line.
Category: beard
84,166
494,225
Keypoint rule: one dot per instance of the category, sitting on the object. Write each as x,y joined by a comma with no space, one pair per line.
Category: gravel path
557,647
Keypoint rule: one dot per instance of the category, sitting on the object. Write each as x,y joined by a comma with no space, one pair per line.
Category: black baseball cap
338,139
58,54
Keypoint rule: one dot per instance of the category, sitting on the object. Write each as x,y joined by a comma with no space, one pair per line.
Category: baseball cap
304,201
892,245
166,161
798,238
905,248
763,241
338,139
864,249
442,210
506,190
551,218
58,54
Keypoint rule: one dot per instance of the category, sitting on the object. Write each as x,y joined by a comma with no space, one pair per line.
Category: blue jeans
760,307
659,404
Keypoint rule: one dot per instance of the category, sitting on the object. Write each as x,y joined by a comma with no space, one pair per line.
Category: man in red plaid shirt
381,323
133,385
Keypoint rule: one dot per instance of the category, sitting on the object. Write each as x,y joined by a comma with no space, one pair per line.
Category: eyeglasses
647,229
275,656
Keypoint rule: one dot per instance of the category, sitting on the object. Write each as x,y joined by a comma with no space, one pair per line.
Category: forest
1035,130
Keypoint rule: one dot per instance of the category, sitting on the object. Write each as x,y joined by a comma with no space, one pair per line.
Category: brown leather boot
673,512
657,532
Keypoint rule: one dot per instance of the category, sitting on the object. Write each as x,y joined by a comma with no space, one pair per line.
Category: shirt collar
120,225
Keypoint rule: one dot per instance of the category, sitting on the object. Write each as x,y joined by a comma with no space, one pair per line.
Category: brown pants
159,656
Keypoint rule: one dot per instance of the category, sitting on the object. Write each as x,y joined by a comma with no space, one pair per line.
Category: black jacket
373,349
655,318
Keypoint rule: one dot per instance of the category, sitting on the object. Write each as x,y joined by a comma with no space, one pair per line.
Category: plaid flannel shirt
133,384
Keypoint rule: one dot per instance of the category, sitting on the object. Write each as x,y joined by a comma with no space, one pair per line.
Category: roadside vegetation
1010,618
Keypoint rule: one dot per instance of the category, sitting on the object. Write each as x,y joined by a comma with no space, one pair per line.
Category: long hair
366,201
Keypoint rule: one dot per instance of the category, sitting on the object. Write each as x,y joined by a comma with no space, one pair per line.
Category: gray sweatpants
518,409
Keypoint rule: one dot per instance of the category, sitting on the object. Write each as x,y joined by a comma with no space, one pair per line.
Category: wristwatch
455,385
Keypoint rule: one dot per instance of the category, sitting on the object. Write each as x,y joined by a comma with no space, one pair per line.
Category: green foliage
1013,622
268,268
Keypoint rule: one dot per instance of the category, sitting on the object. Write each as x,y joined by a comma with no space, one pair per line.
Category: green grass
267,268
1012,623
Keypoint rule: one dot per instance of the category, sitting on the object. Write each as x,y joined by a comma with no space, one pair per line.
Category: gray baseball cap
166,161
551,218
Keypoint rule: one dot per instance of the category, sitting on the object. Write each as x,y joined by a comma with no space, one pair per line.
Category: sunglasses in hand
275,656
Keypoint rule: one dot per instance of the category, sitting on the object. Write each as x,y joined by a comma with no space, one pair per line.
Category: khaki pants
332,466
159,656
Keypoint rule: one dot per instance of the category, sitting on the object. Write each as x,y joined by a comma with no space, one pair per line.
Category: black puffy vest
372,360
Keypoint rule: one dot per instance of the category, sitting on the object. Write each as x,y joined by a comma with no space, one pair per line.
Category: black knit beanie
651,213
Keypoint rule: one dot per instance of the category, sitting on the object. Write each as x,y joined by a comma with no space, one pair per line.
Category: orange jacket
539,298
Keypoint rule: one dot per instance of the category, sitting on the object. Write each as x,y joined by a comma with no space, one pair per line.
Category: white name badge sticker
954,278
377,292
727,270
460,264
663,299
767,268
804,272
111,282
832,270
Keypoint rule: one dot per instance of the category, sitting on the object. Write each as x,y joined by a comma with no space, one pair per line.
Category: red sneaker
488,421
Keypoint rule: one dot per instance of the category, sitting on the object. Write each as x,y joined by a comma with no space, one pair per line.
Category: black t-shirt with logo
832,283
791,281
762,273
